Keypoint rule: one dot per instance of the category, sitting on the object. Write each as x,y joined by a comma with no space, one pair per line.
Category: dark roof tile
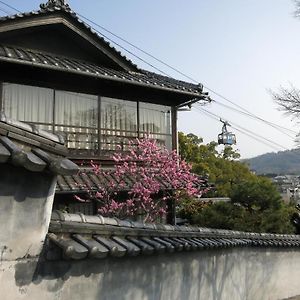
35,150
65,9
87,180
55,62
120,239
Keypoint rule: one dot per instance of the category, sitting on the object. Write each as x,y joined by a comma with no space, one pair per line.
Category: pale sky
239,48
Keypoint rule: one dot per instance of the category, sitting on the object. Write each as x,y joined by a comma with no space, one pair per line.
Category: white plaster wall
26,200
233,274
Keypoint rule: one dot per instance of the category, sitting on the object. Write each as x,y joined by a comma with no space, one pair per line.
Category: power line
245,133
4,10
9,6
243,110
249,132
111,40
260,119
131,53
279,128
138,48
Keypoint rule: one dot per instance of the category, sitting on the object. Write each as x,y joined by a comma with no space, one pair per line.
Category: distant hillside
283,162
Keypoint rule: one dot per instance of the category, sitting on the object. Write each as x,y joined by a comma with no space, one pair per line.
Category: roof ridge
11,53
98,220
53,6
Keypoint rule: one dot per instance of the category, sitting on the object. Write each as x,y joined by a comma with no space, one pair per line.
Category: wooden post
1,97
171,205
174,128
171,212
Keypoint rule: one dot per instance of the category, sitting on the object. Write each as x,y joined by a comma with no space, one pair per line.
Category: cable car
225,137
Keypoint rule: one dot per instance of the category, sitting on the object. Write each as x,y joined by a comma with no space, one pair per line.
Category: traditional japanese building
58,75
61,85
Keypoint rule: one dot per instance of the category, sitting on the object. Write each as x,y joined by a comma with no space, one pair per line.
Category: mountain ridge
282,162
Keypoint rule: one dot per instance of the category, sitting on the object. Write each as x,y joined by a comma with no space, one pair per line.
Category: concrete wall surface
26,200
233,274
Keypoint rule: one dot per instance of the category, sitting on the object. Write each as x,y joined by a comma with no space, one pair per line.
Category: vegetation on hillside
255,203
280,163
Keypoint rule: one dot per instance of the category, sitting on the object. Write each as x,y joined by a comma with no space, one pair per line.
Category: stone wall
242,273
237,273
26,200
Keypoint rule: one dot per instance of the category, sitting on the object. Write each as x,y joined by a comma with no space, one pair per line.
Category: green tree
222,168
257,194
255,203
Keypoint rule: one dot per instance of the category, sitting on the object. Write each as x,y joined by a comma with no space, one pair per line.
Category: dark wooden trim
99,125
174,128
138,118
171,212
1,96
53,110
74,25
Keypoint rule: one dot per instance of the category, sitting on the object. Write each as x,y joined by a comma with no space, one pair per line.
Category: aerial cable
114,42
279,128
5,11
262,141
250,115
138,48
244,129
245,133
245,111
9,6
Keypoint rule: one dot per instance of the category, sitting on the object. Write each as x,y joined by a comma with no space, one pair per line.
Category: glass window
118,123
76,116
28,104
155,122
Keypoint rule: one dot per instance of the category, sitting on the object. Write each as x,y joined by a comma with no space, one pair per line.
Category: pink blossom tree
156,175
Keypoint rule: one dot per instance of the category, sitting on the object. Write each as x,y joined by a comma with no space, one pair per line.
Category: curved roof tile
35,150
79,236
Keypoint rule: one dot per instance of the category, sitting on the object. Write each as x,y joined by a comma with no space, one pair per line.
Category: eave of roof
87,181
80,237
35,150
58,63
135,77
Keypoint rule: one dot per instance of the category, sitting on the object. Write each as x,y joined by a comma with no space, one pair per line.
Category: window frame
138,133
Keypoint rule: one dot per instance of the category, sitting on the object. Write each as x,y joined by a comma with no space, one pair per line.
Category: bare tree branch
288,99
297,10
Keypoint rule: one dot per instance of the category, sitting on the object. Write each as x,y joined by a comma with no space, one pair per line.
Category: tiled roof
76,236
59,63
35,150
54,6
89,181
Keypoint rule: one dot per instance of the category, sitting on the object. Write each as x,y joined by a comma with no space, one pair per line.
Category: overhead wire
238,127
4,10
247,134
241,109
260,119
283,130
9,6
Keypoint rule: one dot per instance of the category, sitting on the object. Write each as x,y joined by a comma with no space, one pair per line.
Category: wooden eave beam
171,93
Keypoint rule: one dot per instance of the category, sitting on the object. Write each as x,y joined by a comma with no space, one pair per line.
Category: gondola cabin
226,138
